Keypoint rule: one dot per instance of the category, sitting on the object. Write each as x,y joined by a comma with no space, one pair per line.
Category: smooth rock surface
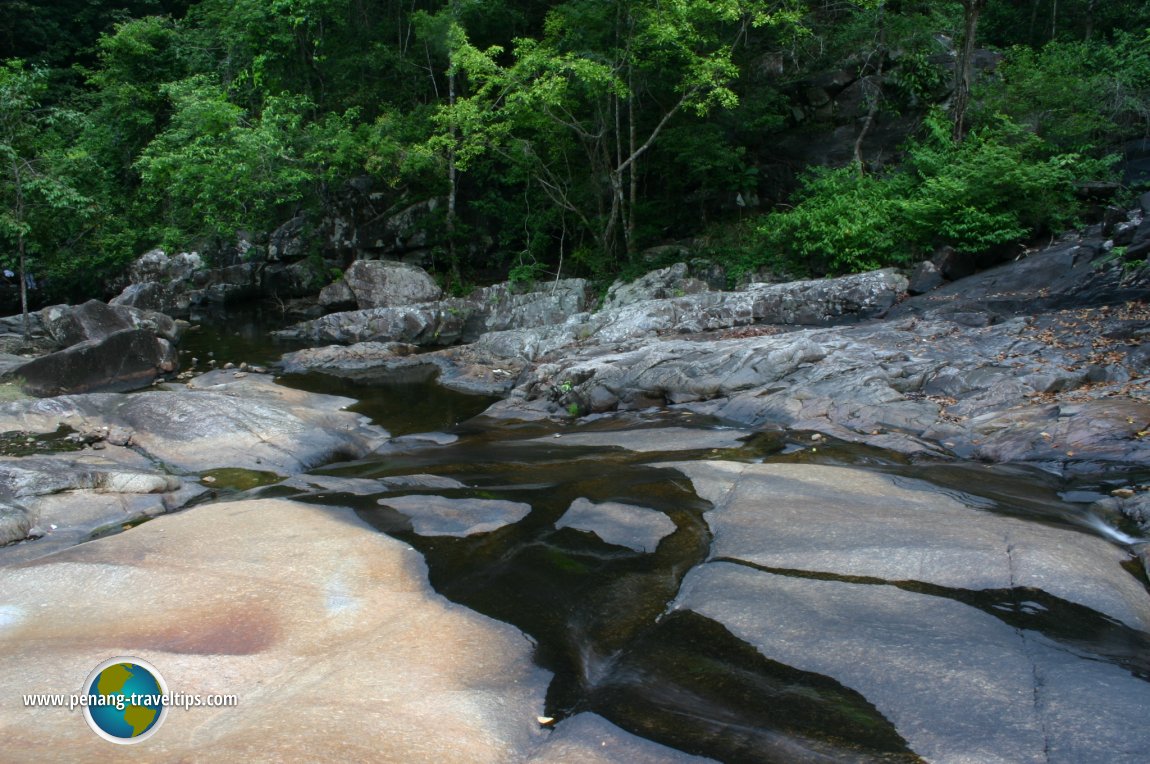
439,516
959,684
637,528
852,522
650,440
588,738
319,624
217,420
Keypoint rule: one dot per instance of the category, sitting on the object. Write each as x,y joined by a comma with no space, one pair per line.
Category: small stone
208,479
244,366
1122,493
258,369
240,374
229,365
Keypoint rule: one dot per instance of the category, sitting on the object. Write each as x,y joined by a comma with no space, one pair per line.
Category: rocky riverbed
805,522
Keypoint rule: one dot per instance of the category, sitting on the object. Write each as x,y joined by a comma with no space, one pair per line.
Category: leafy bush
999,185
1076,95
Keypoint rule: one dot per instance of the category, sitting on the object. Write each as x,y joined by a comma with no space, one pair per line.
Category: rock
854,523
672,281
958,624
174,284
505,306
216,421
637,528
70,496
15,522
344,361
387,284
94,320
925,277
303,612
289,241
438,516
653,440
445,322
959,683
437,323
337,296
588,738
127,359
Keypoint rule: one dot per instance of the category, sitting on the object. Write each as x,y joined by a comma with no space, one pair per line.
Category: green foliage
45,213
999,185
215,169
1076,95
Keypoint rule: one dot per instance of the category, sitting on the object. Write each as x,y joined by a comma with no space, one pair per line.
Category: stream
599,614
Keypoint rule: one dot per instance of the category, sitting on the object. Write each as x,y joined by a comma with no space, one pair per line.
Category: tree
41,200
597,92
963,65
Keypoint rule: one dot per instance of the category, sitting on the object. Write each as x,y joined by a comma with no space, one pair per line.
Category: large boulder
386,284
124,360
94,320
173,284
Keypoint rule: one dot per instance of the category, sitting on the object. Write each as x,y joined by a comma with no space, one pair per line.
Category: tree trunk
873,92
452,170
963,65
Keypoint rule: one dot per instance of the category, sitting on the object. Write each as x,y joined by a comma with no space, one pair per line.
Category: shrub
999,185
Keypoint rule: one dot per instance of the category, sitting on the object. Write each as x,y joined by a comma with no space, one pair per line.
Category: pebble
1122,493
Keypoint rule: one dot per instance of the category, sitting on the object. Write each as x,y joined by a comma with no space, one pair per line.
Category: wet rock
655,439
976,634
305,613
439,516
637,528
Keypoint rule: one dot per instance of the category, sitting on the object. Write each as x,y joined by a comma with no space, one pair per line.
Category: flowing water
598,613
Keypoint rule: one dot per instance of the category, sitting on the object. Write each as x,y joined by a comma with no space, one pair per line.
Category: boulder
925,277
386,284
94,320
127,359
672,281
506,306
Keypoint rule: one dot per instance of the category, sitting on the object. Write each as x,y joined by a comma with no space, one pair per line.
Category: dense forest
801,136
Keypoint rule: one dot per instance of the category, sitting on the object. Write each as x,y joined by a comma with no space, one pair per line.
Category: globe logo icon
125,700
